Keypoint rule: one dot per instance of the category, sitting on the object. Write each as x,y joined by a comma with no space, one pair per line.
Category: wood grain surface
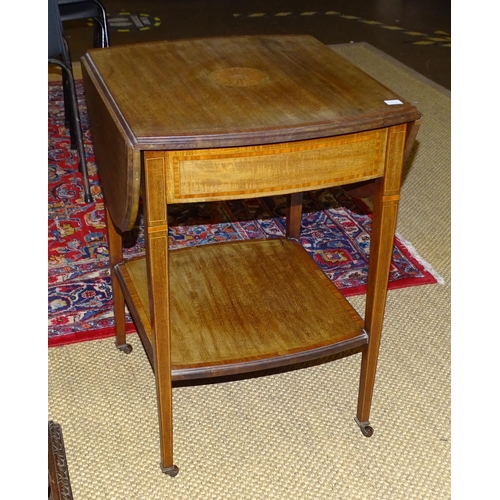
235,91
265,298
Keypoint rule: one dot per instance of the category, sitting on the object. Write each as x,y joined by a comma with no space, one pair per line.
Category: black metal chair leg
59,54
69,120
81,9
103,21
99,34
77,128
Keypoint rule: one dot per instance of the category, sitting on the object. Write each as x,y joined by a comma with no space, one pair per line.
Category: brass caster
366,428
171,471
126,348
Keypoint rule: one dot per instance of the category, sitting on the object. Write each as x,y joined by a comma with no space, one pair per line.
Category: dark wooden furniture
59,483
225,118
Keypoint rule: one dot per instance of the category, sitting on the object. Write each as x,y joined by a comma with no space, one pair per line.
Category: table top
237,91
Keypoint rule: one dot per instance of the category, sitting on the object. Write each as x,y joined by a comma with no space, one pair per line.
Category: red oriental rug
335,231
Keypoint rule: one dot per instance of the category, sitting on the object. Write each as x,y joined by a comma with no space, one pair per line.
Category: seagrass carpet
290,435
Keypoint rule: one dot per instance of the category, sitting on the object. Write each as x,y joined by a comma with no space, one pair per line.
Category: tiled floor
416,32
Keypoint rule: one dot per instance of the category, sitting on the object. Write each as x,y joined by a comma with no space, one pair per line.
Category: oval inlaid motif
238,77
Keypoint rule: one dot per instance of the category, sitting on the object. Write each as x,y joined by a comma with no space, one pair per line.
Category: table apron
232,173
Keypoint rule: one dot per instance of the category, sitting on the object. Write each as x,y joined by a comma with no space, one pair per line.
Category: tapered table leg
156,235
385,211
294,215
115,249
411,135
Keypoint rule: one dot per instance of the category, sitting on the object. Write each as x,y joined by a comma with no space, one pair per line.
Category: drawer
252,171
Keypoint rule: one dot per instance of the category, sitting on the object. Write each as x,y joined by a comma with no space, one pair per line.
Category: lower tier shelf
244,306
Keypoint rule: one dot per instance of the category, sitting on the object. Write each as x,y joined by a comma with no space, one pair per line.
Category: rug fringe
426,265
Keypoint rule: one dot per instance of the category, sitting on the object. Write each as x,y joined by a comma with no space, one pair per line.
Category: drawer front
230,173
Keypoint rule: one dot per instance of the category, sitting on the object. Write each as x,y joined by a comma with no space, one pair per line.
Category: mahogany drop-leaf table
240,117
